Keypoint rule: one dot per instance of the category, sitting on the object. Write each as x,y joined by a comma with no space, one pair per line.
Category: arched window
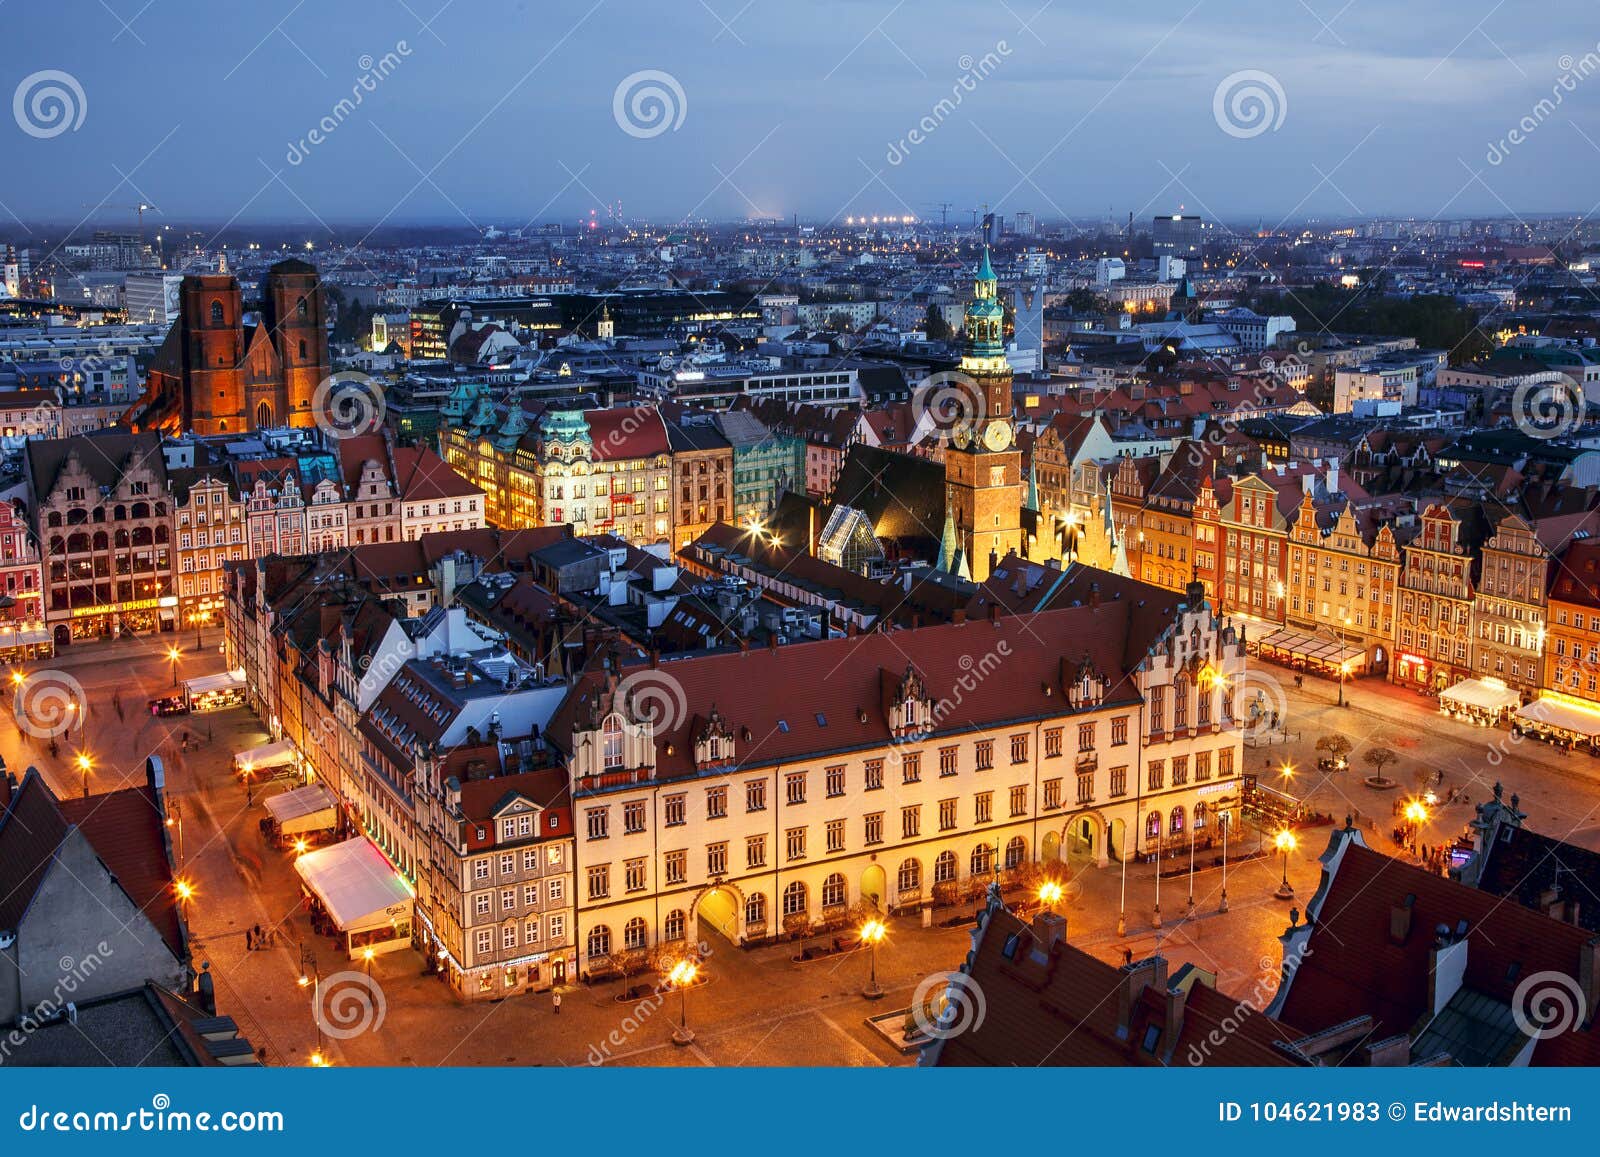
635,934
794,899
1016,851
1175,822
833,889
672,926
300,309
599,944
982,859
611,734
1200,815
909,878
216,313
1152,826
944,868
263,416
755,909
302,349
140,510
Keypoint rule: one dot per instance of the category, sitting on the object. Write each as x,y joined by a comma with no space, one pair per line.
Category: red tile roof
422,475
628,432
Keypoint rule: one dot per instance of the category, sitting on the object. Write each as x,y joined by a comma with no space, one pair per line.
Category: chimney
959,616
1333,476
850,629
1094,594
772,641
1176,1001
1136,976
1400,920
655,657
1447,966
994,613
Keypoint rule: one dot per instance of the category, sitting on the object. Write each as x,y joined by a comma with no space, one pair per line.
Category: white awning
1562,716
1485,694
227,681
305,809
277,754
359,888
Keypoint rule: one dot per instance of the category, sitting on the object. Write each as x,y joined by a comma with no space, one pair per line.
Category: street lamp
311,978
1285,843
172,654
83,768
1050,895
872,934
184,889
366,960
681,977
249,785
1226,819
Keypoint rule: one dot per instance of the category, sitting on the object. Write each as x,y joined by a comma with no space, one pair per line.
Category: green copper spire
984,316
986,270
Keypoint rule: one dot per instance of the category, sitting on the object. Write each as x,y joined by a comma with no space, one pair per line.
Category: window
794,899
944,868
676,866
794,842
672,927
485,941
633,817
635,934
599,942
1019,800
1158,710
600,882
717,859
1202,766
482,902
508,864
1085,787
530,895
480,869
874,774
947,761
755,795
835,781
833,891
1086,737
716,802
873,828
1016,852
755,910
835,831
1157,778
1019,749
1052,742
672,809
557,929
910,822
909,877
1052,793
1180,770
983,807
633,875
530,860
557,890
599,822
508,936
611,739
911,766
1225,762
1119,731
983,754
755,851
530,932
795,787
982,861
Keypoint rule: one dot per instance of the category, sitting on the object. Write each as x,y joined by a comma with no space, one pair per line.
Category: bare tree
1337,746
1379,758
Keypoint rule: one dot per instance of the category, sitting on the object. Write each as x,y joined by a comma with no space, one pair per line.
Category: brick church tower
215,374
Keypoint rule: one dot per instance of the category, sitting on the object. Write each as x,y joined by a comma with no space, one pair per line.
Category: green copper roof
985,270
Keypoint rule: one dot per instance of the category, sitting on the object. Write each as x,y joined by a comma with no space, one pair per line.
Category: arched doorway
874,885
717,910
1083,839
1117,839
1049,848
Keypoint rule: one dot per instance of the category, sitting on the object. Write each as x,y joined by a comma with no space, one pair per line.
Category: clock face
962,435
998,435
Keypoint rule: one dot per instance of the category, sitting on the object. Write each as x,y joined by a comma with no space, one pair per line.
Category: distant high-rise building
993,225
1179,235
1022,224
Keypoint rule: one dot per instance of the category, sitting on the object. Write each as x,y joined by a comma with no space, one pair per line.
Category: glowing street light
366,960
1285,843
184,889
172,656
1050,894
1416,813
84,764
681,977
872,934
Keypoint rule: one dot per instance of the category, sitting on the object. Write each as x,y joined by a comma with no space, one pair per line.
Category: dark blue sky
500,113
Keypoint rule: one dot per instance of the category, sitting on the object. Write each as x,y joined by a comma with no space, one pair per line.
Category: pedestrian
255,940
555,1001
249,939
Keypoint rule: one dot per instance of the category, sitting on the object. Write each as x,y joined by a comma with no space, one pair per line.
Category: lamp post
1416,814
1050,895
172,656
1191,866
84,764
366,960
681,977
312,979
1285,843
872,934
249,785
175,820
1226,824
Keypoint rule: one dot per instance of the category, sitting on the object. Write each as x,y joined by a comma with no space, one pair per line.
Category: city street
758,1006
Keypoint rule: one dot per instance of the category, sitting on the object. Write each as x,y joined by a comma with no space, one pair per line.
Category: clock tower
983,467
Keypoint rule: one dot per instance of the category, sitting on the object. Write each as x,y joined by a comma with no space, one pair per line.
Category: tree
1337,746
1379,758
627,961
934,324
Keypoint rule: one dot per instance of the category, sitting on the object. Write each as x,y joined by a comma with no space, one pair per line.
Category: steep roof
421,475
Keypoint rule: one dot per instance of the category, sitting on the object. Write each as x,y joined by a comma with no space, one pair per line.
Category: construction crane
141,209
944,208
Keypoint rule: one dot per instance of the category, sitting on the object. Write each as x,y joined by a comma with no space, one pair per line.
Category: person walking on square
555,1002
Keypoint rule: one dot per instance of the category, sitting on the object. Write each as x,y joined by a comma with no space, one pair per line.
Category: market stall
358,896
1560,720
213,692
308,813
1483,701
265,761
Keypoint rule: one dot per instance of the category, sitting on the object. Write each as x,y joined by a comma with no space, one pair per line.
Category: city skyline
526,116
